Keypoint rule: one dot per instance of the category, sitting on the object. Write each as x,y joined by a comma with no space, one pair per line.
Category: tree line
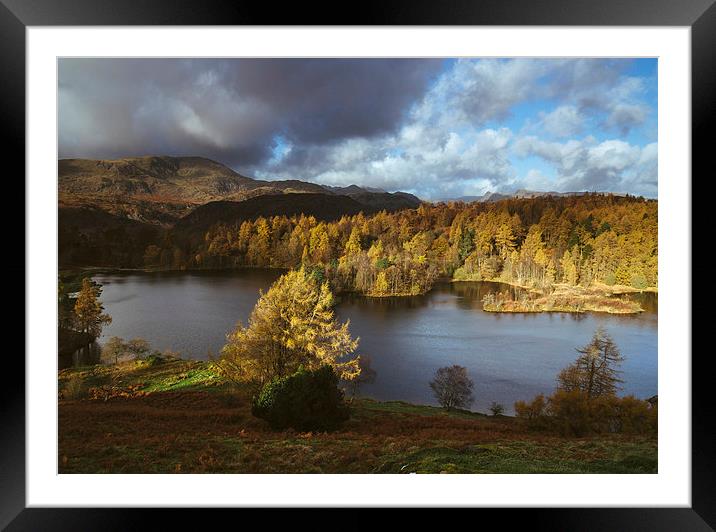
536,242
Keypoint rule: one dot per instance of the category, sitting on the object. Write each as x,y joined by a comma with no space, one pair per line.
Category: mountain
351,189
326,207
485,198
162,190
378,199
92,236
522,194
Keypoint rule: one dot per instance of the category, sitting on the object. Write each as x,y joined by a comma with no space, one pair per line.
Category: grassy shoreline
179,416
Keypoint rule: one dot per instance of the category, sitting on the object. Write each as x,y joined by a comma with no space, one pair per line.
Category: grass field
180,417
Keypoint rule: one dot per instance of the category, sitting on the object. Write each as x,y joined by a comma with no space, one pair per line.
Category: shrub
574,413
74,388
496,408
305,401
152,359
533,413
635,416
571,412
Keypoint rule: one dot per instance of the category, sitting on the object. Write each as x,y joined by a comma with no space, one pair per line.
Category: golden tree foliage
539,242
89,312
291,325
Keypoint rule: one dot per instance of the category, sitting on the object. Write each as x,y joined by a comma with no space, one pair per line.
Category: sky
437,128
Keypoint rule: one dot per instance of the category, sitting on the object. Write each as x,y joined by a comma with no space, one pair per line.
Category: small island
562,298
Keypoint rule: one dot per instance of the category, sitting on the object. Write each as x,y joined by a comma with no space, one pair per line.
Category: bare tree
139,347
116,348
452,387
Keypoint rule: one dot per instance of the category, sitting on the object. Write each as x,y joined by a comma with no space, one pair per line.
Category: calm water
509,356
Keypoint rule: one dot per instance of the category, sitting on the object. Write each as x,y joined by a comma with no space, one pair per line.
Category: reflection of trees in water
383,305
85,356
469,296
471,293
649,301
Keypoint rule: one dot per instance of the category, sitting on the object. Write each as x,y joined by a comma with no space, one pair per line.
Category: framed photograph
410,259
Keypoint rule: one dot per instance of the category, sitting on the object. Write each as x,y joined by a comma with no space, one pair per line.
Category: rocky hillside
161,190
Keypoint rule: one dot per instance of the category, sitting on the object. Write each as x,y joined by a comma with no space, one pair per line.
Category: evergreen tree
89,311
291,325
595,371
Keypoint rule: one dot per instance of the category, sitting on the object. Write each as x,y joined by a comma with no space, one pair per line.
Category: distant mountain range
521,193
162,190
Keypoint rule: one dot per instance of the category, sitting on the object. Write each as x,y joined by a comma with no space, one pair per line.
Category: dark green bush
305,401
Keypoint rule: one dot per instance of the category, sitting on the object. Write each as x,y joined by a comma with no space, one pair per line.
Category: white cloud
611,165
475,92
564,121
436,129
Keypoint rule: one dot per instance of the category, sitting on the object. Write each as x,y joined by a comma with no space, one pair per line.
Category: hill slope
161,190
324,207
180,417
90,236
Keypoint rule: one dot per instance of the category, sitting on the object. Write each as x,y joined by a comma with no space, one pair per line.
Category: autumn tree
292,325
113,349
569,268
505,240
89,312
116,348
366,376
595,372
151,255
353,246
259,244
594,238
452,387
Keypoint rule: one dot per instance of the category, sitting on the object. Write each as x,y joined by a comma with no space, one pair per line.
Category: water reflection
85,356
509,356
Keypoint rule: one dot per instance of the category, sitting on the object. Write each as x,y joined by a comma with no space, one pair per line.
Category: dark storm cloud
227,109
437,128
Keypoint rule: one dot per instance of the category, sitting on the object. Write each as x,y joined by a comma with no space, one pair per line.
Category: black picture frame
16,15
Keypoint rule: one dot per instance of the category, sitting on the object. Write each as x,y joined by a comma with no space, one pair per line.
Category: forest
585,240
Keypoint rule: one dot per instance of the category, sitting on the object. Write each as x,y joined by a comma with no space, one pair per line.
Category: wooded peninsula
572,253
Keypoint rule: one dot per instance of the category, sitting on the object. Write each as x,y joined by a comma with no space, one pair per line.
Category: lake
510,357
